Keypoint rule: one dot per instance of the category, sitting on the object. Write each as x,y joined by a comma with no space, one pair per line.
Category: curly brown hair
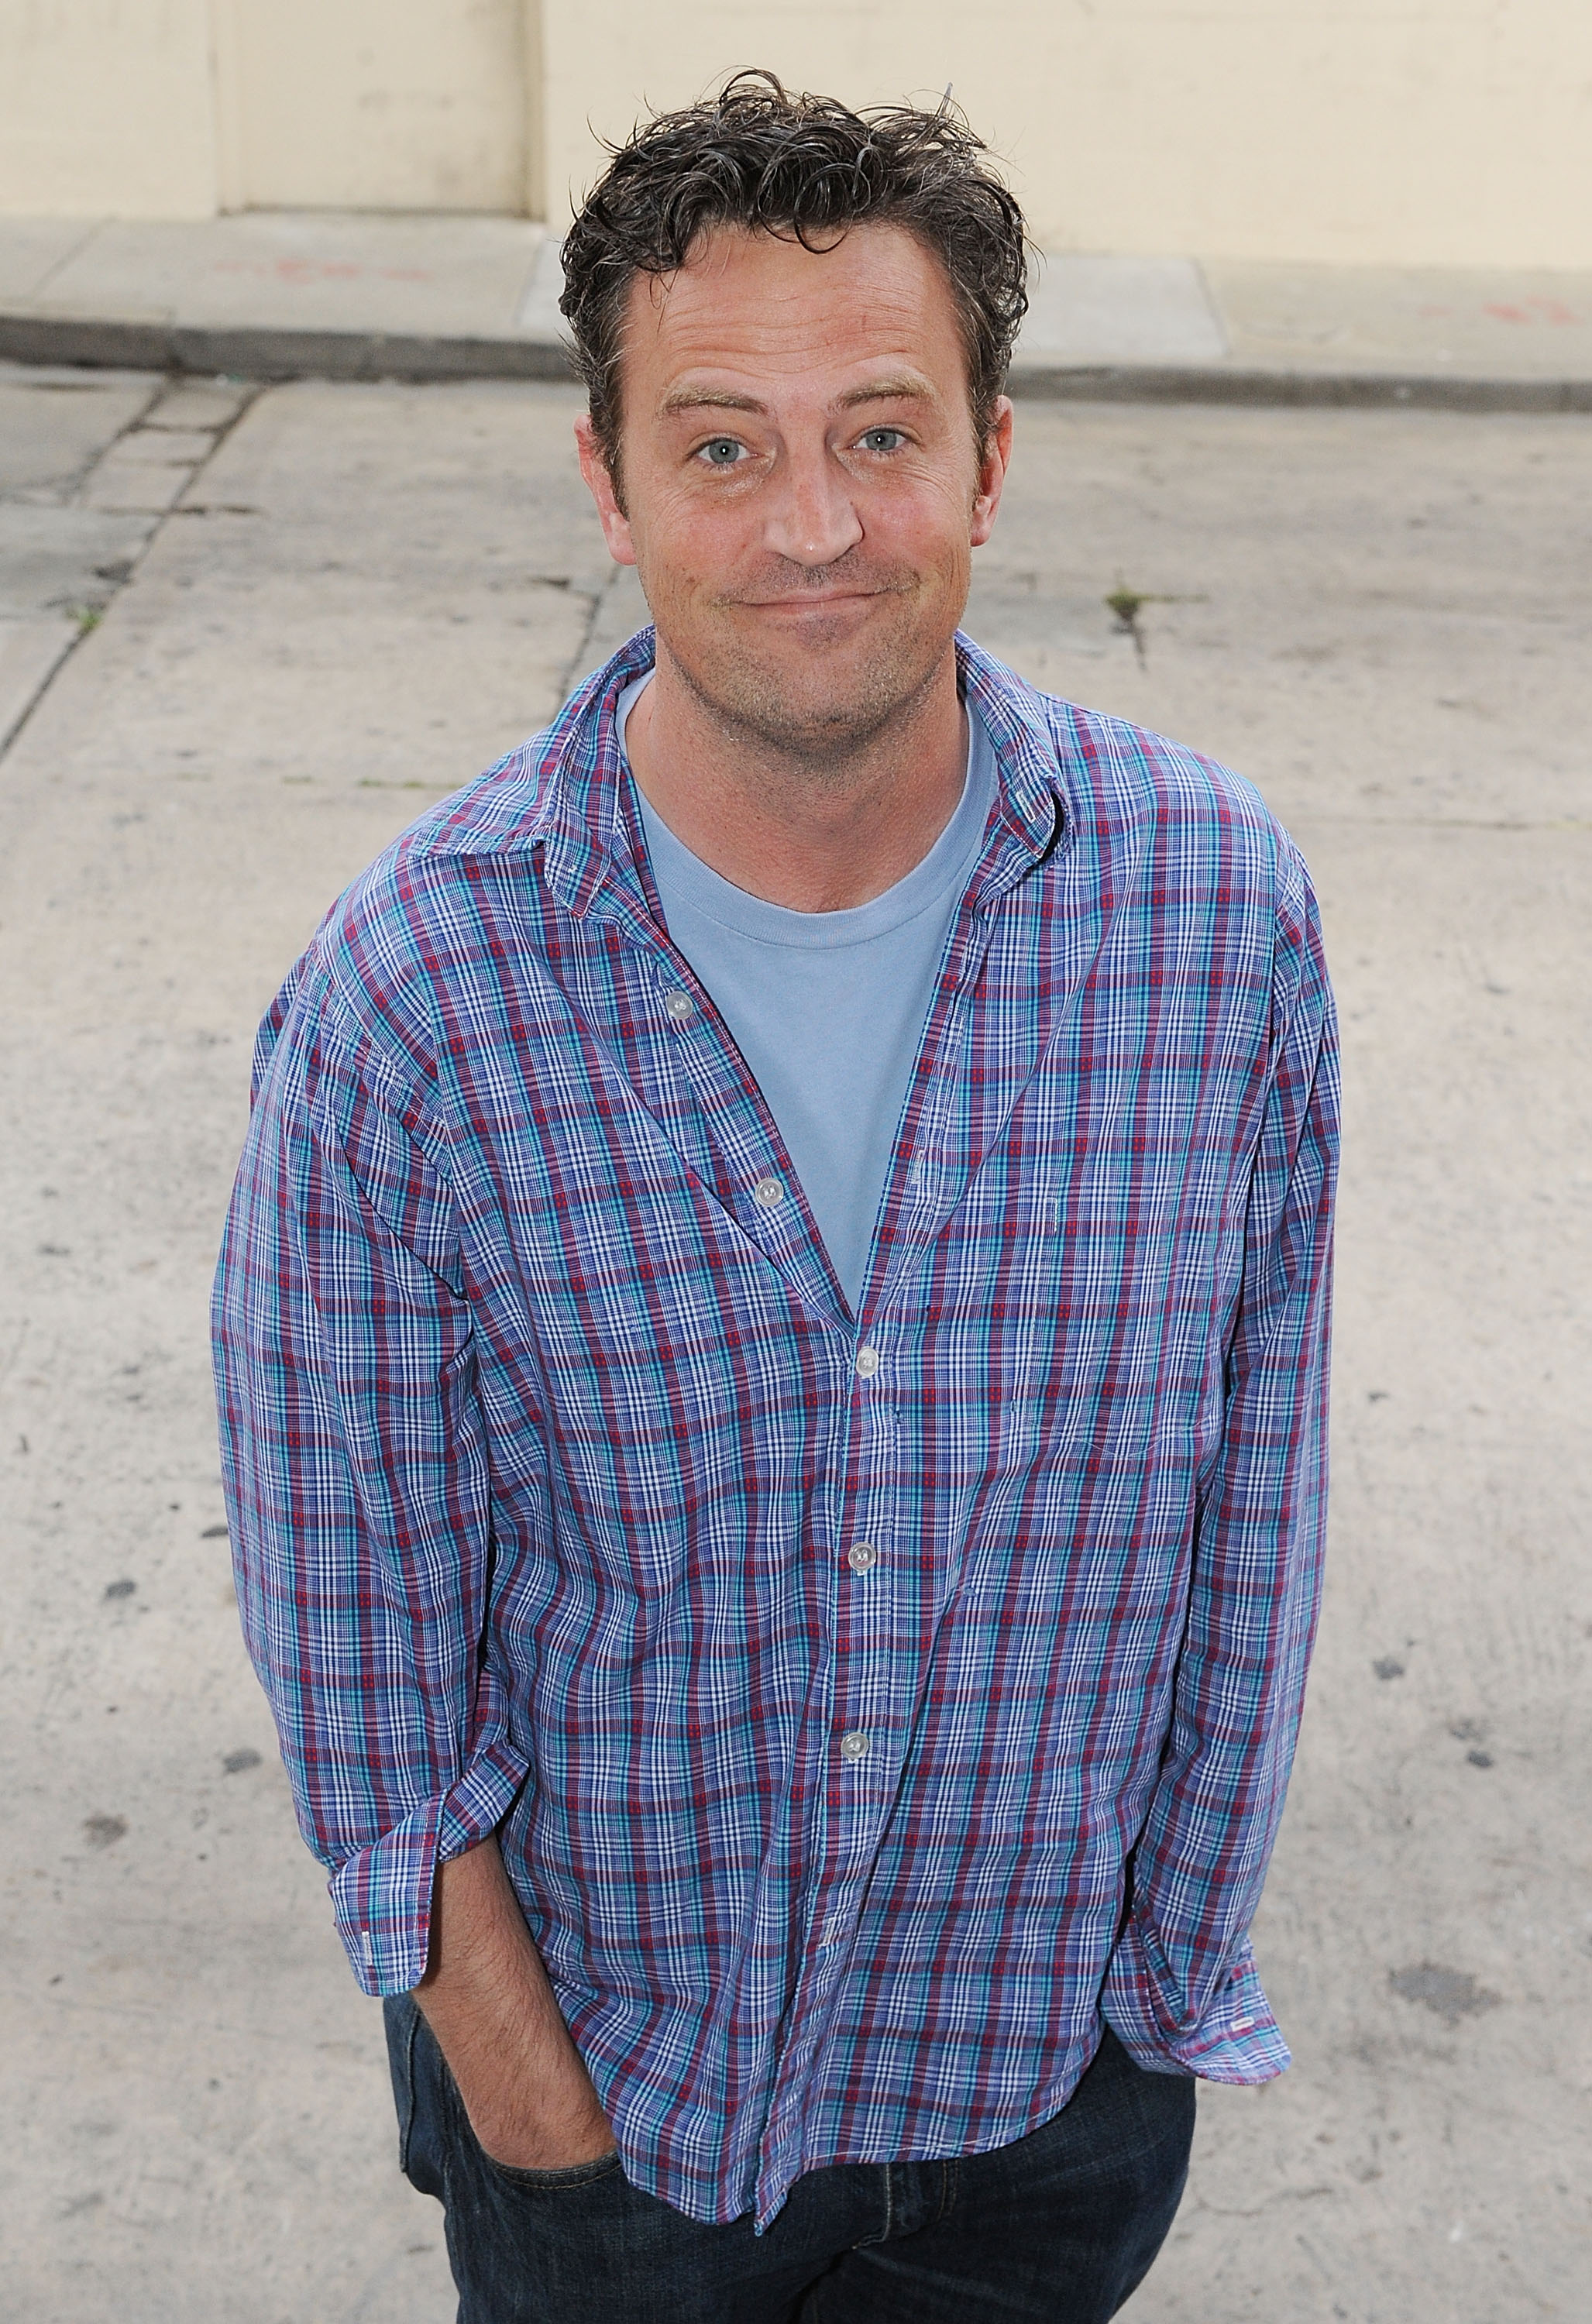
759,157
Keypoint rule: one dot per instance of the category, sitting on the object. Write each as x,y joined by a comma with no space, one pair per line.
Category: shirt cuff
1234,2039
382,1895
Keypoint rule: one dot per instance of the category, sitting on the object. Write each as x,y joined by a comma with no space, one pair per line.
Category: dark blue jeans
1060,2225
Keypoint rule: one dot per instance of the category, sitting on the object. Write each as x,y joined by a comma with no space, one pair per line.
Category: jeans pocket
570,2176
410,2052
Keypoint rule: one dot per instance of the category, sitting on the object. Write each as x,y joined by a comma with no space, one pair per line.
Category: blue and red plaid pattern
546,1444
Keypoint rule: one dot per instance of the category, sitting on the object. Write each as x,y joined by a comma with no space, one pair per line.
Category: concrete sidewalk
276,295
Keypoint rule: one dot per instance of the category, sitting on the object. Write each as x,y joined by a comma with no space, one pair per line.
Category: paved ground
364,595
278,292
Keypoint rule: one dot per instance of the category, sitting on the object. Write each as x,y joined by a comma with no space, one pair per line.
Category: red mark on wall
1532,310
320,270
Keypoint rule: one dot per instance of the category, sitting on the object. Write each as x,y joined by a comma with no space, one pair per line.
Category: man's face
802,487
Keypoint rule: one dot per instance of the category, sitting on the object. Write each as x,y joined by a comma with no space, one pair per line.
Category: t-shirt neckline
948,862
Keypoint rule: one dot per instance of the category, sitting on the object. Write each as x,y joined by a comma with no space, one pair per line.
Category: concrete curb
1368,391
265,352
268,353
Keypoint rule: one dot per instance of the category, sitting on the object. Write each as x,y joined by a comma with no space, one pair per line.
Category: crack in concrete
122,571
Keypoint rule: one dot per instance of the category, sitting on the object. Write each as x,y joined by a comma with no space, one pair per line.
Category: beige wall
106,108
1365,130
372,104
1369,131
179,108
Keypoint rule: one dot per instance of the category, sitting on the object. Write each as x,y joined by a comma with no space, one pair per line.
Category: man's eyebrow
707,399
900,387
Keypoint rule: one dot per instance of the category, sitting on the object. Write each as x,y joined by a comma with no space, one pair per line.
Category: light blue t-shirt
827,1008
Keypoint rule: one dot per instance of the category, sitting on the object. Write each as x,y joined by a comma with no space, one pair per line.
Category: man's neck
815,837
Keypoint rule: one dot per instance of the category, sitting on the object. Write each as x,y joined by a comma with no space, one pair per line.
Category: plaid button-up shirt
866,1704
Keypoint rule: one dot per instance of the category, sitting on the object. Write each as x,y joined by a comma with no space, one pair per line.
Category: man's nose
811,518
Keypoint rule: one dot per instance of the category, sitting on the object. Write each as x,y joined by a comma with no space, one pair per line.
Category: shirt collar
590,841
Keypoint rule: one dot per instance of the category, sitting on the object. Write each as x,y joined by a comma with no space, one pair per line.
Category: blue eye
883,440
721,452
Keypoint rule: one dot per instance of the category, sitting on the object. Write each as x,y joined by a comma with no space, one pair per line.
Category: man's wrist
487,1997
552,2134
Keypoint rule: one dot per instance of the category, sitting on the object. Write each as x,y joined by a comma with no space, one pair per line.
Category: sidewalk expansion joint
139,473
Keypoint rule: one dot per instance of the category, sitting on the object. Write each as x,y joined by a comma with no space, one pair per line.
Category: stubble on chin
815,710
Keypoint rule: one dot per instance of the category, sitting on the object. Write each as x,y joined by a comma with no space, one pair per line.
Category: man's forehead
871,250
873,307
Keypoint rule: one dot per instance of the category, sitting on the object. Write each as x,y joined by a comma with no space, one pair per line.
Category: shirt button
768,1192
868,1362
854,1745
862,1555
680,1005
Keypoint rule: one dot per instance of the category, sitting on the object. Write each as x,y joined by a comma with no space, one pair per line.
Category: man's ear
594,469
993,463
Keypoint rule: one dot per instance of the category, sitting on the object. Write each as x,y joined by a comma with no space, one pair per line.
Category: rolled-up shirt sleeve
1181,1992
354,1466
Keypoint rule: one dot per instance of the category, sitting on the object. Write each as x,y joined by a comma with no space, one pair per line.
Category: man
772,1344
